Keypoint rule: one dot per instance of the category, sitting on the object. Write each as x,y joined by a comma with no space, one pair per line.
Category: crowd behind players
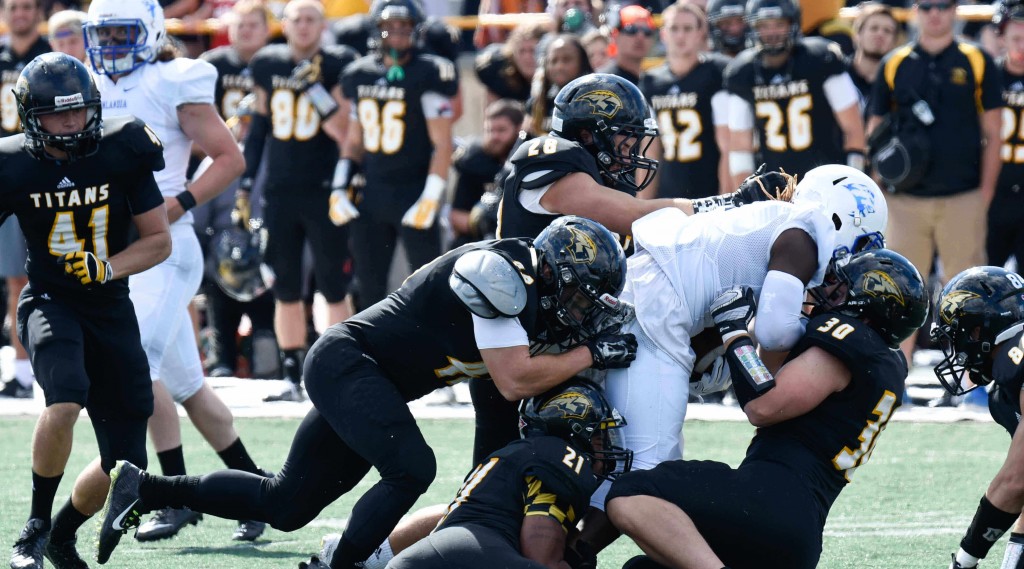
707,146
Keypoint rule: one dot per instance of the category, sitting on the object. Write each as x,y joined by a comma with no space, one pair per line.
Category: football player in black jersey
691,106
248,32
727,26
794,95
478,311
1006,212
518,505
401,139
76,185
979,322
818,421
302,119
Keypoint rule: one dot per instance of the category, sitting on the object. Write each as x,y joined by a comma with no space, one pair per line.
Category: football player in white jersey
681,266
138,73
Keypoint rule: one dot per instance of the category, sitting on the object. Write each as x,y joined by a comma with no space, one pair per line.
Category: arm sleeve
498,333
436,105
741,113
720,108
840,91
779,323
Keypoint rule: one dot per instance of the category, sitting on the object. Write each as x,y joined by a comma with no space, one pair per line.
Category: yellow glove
87,268
242,212
422,213
341,209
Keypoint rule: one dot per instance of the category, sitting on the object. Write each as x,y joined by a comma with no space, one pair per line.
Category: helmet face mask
388,17
977,310
763,13
724,14
55,83
123,35
578,412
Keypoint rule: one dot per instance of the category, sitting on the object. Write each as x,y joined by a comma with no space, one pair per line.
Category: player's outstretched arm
203,126
517,375
151,248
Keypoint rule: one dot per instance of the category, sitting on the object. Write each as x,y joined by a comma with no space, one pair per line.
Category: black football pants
1006,228
225,313
463,547
373,247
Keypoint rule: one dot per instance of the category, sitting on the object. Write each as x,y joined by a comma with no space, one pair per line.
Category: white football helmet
122,35
851,200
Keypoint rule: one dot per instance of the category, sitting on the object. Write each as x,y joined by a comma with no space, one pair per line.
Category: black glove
733,310
86,268
611,350
763,186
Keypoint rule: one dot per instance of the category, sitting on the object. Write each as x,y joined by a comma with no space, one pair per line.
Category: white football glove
422,213
716,378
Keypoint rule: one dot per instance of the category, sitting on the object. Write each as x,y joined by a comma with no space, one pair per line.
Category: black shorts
87,352
757,516
468,546
292,220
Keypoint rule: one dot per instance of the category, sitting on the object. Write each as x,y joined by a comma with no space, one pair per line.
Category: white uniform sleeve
530,199
741,114
720,108
499,333
841,92
779,321
185,81
436,105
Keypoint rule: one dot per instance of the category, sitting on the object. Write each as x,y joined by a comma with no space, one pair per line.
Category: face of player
683,35
524,57
499,135
64,122
732,27
1013,42
772,31
303,28
117,35
397,34
877,36
935,18
562,63
21,16
248,32
69,40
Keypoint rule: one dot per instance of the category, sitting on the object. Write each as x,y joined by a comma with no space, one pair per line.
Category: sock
966,560
235,457
166,491
988,525
380,558
291,364
172,461
43,491
23,373
1014,556
228,494
66,523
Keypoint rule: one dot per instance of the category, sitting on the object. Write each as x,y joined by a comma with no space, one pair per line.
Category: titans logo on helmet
603,103
952,302
573,405
581,248
881,285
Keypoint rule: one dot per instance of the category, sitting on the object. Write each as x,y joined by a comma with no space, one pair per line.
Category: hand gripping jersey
422,335
538,476
684,263
793,120
11,65
826,445
85,205
234,79
153,93
1008,381
301,155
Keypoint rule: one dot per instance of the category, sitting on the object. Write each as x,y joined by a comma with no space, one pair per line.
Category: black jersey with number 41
690,155
793,120
826,445
422,335
85,205
300,152
541,476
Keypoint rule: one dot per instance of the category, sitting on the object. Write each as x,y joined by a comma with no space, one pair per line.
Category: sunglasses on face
632,29
929,6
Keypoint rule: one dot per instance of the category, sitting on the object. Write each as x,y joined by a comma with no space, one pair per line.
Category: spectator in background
506,70
570,17
632,29
875,33
22,46
727,27
478,161
564,60
65,33
596,43
692,107
950,88
1006,213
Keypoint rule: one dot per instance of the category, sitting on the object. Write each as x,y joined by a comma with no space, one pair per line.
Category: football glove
612,350
762,186
422,213
87,268
717,378
341,210
242,211
733,310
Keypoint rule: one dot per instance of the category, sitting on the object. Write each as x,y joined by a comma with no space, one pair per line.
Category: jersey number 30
63,238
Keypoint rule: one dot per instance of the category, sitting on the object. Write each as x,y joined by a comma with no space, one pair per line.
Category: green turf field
907,508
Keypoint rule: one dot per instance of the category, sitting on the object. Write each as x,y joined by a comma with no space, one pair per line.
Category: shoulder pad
137,138
488,285
444,75
1009,356
186,70
342,53
847,338
185,80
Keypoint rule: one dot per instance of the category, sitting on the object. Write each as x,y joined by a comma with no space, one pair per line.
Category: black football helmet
1007,11
238,258
578,412
758,10
384,10
719,10
881,286
582,270
604,106
53,83
977,310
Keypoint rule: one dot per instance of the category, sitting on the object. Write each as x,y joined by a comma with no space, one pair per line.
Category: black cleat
166,523
14,390
248,530
28,550
121,510
64,555
293,392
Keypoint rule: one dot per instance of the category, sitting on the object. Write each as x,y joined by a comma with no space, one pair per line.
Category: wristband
186,199
855,159
434,187
711,203
741,162
750,378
